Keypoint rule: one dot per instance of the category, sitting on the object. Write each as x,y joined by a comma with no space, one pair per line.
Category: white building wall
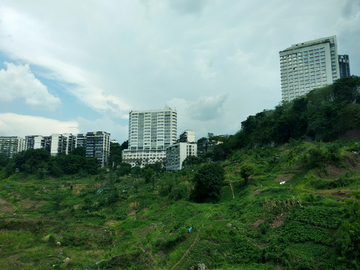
308,65
177,153
37,142
150,133
56,142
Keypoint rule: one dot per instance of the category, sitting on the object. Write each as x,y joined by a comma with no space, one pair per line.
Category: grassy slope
266,226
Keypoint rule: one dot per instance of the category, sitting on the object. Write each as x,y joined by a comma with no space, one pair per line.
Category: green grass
93,226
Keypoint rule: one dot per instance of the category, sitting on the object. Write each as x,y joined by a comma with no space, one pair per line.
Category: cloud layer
19,82
12,124
216,62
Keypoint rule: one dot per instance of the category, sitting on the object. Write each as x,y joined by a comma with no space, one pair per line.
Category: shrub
208,181
246,171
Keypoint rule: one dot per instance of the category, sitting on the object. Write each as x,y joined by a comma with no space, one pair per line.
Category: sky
79,66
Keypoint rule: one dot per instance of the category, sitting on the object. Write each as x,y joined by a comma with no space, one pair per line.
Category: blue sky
78,66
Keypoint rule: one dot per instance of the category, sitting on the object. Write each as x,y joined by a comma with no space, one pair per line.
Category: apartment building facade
150,133
96,144
344,66
308,65
55,143
11,145
178,152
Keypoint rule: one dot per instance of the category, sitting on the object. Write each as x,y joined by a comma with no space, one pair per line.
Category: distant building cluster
312,64
153,133
96,144
153,138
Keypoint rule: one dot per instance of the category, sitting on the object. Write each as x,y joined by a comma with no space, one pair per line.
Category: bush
208,181
246,171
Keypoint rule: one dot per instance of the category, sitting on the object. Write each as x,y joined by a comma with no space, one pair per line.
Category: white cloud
106,124
119,55
17,81
206,114
62,63
188,6
207,108
12,124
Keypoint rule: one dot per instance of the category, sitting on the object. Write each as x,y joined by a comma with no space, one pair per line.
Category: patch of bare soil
262,245
284,177
161,254
132,213
339,195
279,220
257,223
26,219
31,205
111,222
333,172
5,207
14,257
255,193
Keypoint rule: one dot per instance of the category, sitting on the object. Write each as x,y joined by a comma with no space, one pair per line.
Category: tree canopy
208,182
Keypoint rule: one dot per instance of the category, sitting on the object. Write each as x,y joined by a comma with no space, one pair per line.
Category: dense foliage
40,162
324,114
208,182
267,207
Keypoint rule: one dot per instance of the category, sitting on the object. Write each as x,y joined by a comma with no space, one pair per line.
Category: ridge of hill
300,210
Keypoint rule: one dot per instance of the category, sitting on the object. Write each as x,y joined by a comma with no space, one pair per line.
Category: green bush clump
331,184
321,216
299,232
348,241
208,182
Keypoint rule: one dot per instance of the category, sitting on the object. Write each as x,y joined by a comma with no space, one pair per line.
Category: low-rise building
178,152
206,145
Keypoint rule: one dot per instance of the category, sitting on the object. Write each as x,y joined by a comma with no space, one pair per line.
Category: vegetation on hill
291,204
324,114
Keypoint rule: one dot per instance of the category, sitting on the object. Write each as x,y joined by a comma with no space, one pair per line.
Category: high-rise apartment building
96,144
178,152
11,145
344,65
150,133
37,142
308,65
55,143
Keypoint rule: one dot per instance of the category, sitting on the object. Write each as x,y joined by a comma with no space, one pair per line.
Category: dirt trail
232,190
196,238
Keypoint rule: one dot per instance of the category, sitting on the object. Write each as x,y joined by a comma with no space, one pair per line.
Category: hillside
105,221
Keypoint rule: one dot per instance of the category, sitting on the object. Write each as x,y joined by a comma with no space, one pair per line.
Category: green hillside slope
108,222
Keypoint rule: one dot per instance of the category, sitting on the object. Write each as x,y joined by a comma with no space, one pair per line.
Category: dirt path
232,190
196,238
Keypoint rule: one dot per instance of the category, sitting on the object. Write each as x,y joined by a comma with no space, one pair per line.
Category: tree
246,171
207,183
148,173
136,171
78,151
191,160
125,168
115,154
